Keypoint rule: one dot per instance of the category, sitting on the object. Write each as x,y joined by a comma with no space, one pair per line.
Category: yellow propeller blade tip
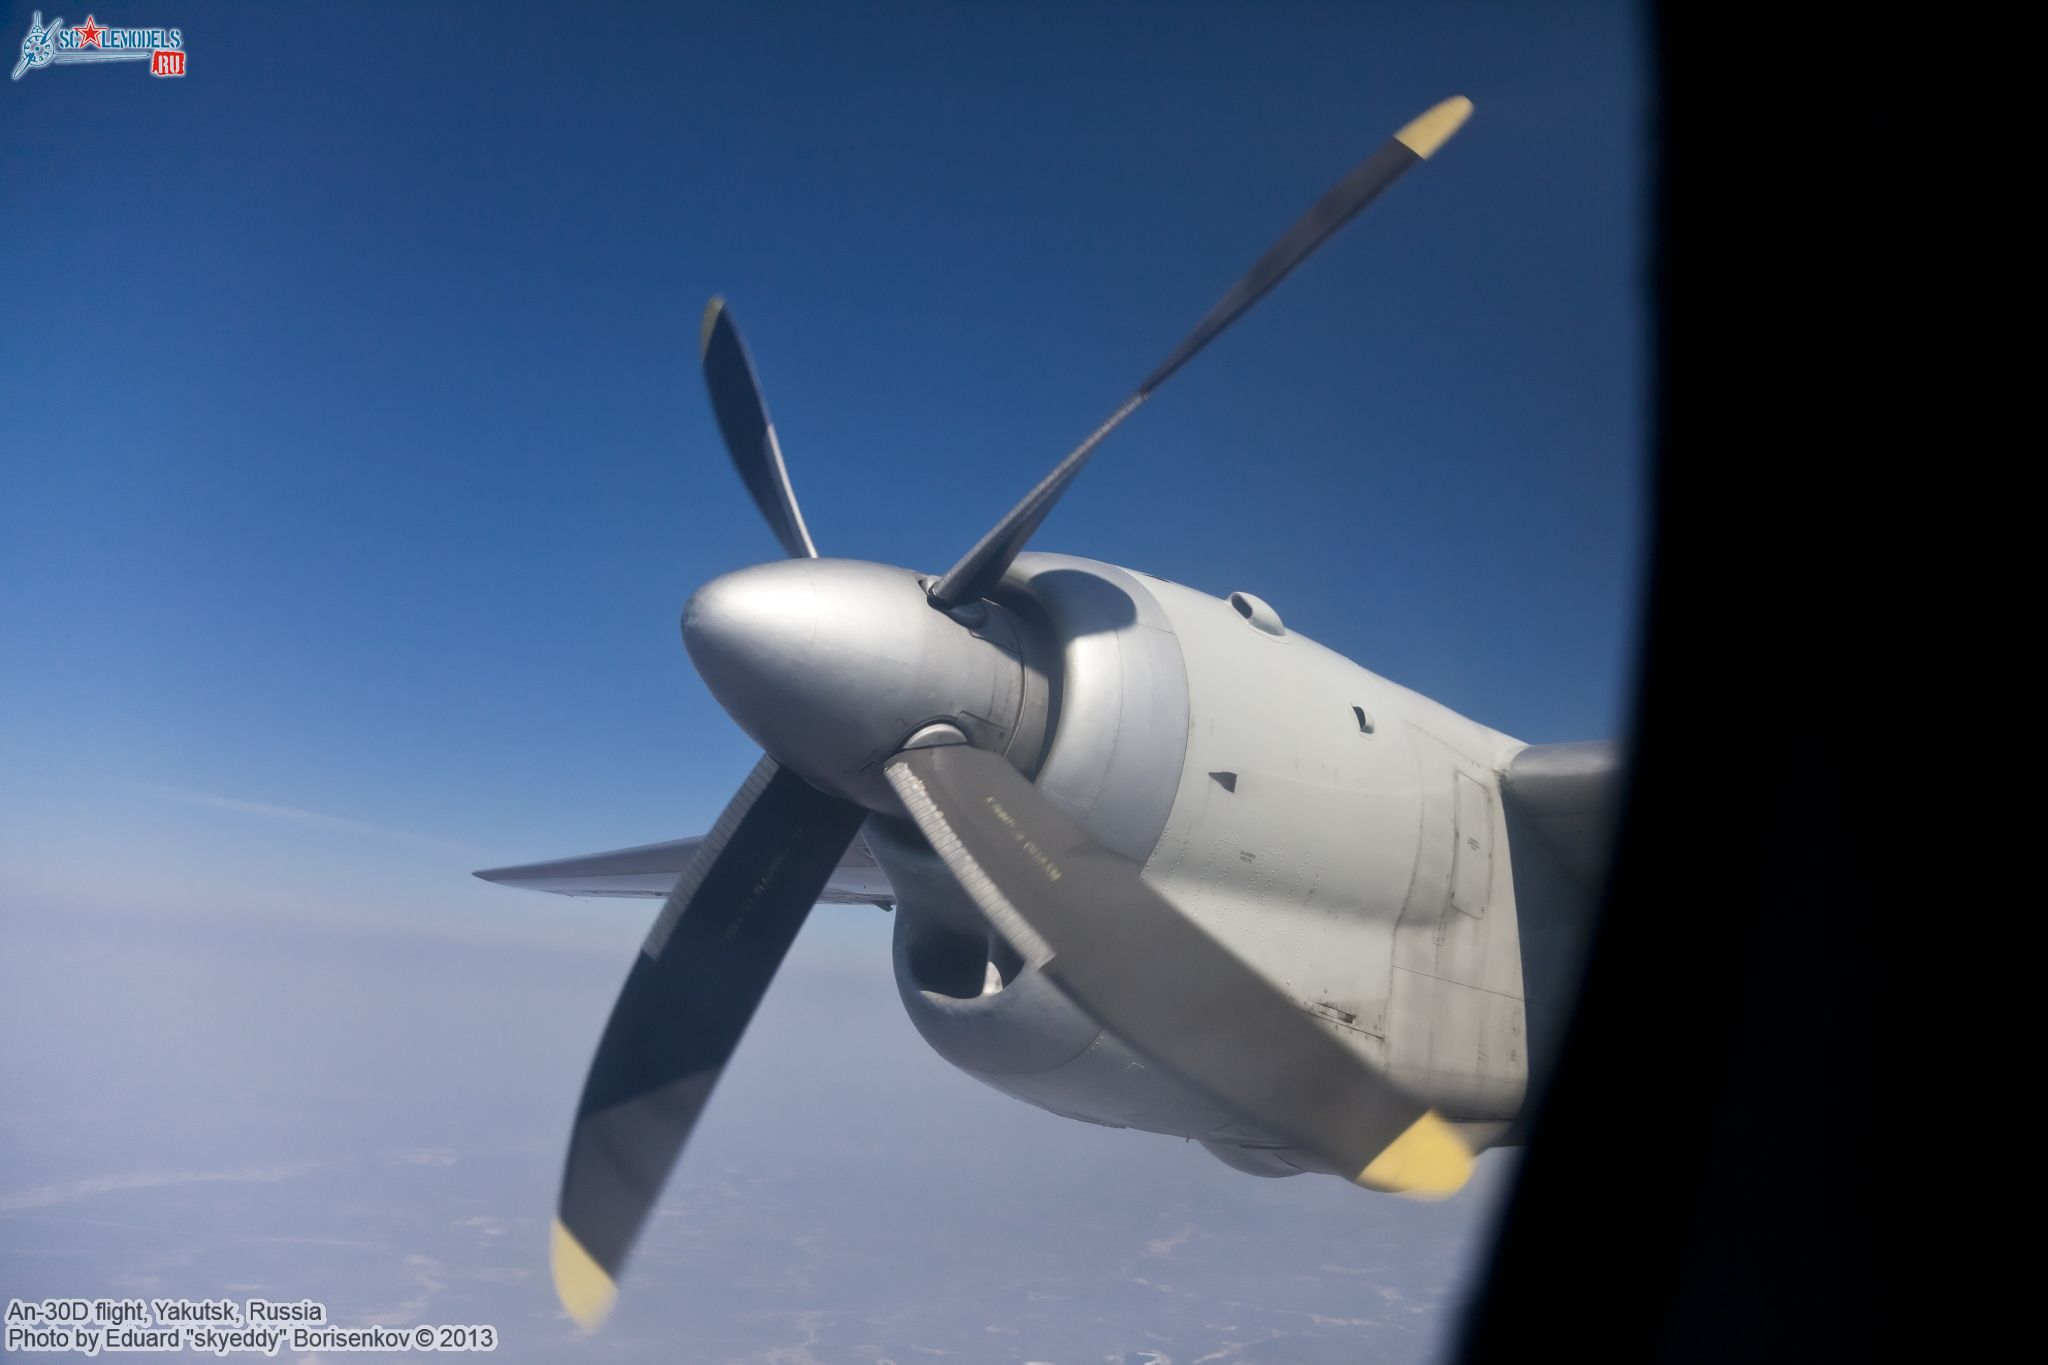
1429,1159
580,1282
1433,129
711,312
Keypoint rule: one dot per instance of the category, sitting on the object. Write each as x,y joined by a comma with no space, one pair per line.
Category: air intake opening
1254,610
1364,721
949,964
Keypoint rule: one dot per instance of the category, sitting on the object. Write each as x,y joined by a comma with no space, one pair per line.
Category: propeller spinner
868,700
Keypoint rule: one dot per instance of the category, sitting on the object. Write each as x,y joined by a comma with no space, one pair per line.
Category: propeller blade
699,976
749,434
976,575
1155,979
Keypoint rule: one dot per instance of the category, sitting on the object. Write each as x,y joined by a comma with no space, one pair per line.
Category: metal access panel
1472,860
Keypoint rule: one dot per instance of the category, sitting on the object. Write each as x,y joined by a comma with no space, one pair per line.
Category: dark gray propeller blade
749,434
982,567
703,969
1157,981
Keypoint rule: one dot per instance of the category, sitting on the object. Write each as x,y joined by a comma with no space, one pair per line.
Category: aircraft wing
1561,802
649,870
1567,796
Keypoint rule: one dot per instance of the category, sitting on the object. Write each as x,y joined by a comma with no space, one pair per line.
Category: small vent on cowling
1257,612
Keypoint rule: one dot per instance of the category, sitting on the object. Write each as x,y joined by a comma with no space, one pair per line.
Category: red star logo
89,33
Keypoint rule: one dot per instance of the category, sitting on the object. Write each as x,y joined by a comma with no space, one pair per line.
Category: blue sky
355,469
356,462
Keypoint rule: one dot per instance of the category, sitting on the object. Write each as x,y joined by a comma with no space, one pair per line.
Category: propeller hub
831,664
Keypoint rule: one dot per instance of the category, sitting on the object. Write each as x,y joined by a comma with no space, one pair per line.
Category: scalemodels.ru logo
162,48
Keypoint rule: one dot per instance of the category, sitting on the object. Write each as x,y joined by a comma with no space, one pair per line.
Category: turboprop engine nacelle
1301,809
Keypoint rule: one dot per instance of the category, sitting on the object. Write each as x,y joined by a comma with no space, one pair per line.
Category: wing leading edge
1569,796
1560,802
648,871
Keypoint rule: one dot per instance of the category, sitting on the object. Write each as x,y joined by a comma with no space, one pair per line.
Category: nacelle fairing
1335,830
